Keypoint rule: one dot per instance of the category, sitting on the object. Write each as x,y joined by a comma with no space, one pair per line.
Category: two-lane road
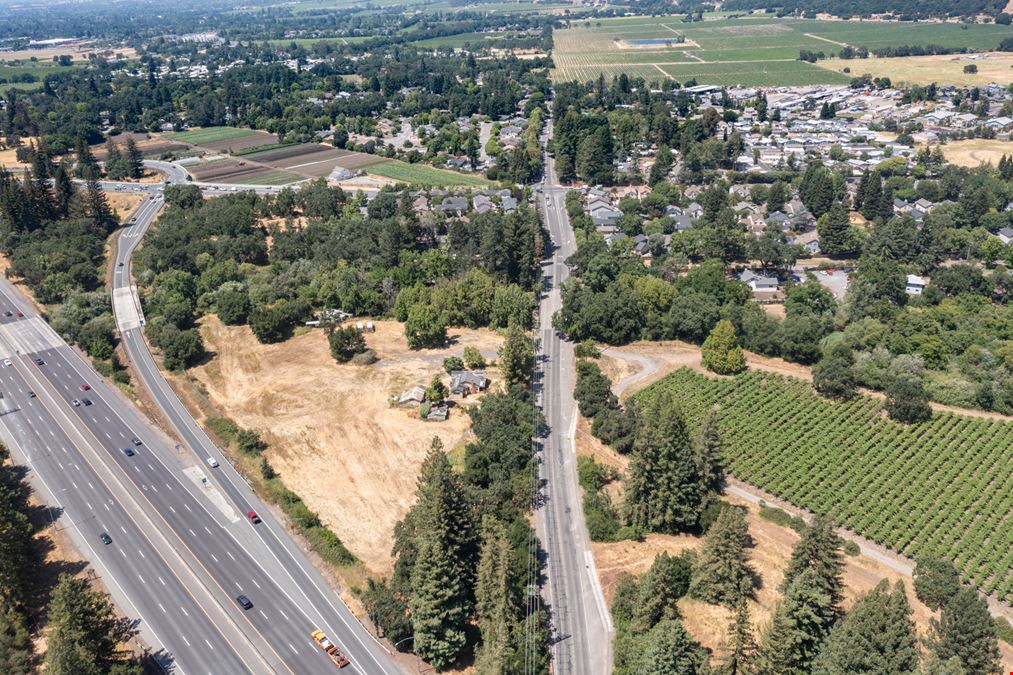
579,619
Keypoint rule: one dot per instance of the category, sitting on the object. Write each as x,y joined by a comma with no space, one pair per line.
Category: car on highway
212,462
76,403
7,363
39,362
8,313
106,539
254,518
85,387
86,401
120,264
31,394
135,440
20,314
129,452
244,602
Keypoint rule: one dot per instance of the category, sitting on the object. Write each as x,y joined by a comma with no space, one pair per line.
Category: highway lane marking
122,553
255,583
185,640
172,509
237,585
161,581
294,650
107,435
192,533
284,614
187,507
262,613
151,467
207,530
89,506
107,506
209,645
141,553
142,580
90,485
214,557
161,607
185,613
74,484
229,553
169,487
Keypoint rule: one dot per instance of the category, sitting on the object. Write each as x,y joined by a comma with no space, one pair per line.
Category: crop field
463,39
939,487
422,174
312,160
240,172
209,135
751,51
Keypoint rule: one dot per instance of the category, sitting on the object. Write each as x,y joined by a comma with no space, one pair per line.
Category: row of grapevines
940,487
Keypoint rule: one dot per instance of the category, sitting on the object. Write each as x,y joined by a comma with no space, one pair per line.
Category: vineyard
940,487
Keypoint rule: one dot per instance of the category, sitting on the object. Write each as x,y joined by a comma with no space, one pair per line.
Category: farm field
312,160
38,70
241,172
460,40
935,487
942,69
422,174
750,51
223,139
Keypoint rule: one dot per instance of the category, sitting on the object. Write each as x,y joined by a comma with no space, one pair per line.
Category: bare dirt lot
334,436
976,151
923,70
148,145
253,140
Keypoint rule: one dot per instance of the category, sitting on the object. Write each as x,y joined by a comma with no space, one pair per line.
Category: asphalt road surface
268,542
580,624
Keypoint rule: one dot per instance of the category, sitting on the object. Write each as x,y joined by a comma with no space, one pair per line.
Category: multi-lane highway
167,532
579,619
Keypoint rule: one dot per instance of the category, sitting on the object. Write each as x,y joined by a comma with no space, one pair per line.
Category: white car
7,363
212,462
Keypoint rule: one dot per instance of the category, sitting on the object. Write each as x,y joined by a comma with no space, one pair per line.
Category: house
758,283
605,215
459,163
420,205
453,206
694,210
915,285
901,206
1005,235
780,219
810,242
508,204
482,204
465,382
438,413
1000,123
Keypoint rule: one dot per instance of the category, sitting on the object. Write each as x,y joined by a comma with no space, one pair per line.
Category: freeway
580,623
288,565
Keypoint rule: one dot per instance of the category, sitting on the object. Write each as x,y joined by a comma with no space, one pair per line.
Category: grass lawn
209,135
37,69
423,174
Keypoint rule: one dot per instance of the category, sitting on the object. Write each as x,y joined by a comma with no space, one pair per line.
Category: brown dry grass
78,51
974,152
334,436
122,203
923,70
8,157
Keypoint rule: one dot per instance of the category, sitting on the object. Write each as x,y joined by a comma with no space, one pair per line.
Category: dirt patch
972,153
78,51
123,203
9,157
334,436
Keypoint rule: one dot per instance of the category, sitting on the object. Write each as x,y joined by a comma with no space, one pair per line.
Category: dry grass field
976,151
943,69
334,436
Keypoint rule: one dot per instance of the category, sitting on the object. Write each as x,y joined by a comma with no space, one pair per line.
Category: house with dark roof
466,382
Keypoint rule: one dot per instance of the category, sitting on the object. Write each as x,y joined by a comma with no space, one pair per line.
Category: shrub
473,358
936,581
851,548
782,518
345,343
452,363
591,474
366,358
328,546
721,354
587,349
601,517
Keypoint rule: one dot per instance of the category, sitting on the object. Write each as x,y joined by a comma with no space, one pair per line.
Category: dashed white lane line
161,581
185,613
161,607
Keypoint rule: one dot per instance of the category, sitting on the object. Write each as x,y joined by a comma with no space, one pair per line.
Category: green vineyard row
942,487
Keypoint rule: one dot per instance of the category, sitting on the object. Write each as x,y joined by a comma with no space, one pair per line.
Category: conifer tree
877,637
797,630
663,488
720,351
834,230
965,630
18,555
777,196
444,550
862,191
63,189
659,590
15,643
96,204
86,164
819,550
85,633
669,649
872,196
516,357
135,160
722,574
708,449
496,604
740,649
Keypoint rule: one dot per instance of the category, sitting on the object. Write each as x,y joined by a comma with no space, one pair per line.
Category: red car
21,314
254,518
85,387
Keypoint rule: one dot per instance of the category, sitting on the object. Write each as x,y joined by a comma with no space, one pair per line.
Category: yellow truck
339,659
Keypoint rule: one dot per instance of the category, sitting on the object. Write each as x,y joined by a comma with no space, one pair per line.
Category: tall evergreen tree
496,603
740,648
669,649
777,196
85,633
19,557
798,629
708,449
817,189
86,164
663,488
39,186
873,195
116,164
877,637
659,590
443,552
834,230
135,160
16,656
819,550
722,574
965,630
96,204
862,192
63,189
517,357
